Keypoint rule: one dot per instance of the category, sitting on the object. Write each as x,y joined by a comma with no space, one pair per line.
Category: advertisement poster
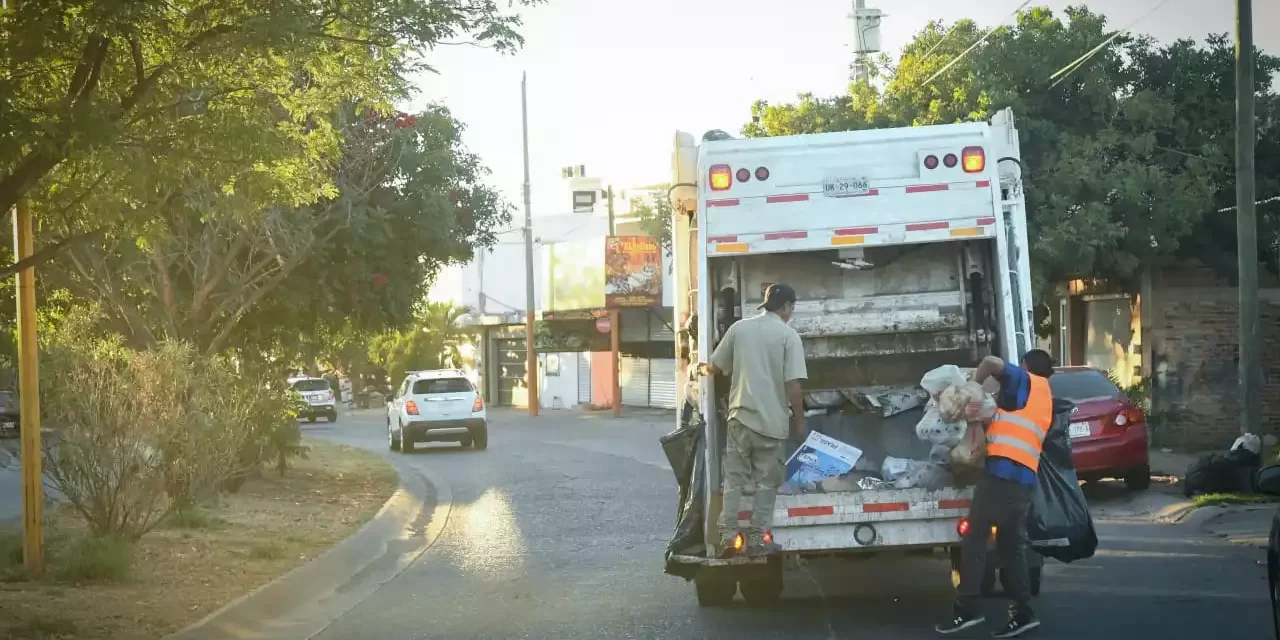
821,457
633,272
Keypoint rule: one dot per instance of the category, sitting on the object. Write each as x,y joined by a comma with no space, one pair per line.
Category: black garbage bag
1230,472
684,448
1059,525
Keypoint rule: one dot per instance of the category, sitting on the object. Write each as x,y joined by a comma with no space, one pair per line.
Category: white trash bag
901,473
932,428
937,380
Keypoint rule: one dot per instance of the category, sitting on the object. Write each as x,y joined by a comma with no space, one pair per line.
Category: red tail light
411,408
721,177
962,527
762,173
1128,416
478,405
744,175
931,162
974,159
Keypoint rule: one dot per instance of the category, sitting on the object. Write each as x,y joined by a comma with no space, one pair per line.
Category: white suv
436,406
318,396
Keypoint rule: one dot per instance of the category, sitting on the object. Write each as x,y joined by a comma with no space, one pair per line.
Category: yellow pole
29,396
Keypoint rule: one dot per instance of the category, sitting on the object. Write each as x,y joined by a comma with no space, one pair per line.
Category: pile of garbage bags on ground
950,441
1230,472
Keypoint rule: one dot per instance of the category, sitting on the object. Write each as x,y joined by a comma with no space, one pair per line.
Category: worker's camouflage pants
753,466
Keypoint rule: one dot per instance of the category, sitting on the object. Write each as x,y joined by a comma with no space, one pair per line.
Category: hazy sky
611,81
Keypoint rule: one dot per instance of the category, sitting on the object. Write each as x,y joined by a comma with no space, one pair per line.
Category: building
1180,337
569,291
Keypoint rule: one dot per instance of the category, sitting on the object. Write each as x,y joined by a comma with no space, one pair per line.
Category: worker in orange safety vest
1003,495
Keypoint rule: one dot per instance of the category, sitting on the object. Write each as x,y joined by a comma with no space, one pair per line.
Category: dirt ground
184,571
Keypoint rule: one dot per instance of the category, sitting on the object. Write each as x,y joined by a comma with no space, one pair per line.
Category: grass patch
200,560
1223,499
267,551
92,559
193,518
45,628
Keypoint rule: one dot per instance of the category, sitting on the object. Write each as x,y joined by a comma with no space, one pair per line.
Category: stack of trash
954,414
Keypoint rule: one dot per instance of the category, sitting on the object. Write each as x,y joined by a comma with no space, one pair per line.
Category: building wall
558,385
1195,360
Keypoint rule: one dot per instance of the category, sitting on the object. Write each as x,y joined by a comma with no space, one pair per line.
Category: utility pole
531,354
28,387
608,194
866,37
1247,225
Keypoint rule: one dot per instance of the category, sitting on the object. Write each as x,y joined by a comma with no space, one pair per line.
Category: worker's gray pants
753,466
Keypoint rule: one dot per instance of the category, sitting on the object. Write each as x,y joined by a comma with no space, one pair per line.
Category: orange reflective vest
1019,435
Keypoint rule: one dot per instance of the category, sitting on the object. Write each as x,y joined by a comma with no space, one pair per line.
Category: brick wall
1195,345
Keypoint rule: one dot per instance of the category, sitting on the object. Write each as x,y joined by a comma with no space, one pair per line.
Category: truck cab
907,248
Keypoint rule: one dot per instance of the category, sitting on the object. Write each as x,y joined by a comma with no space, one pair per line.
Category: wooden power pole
1247,225
531,353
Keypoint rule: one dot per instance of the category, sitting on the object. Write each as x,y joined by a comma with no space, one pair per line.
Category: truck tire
763,588
714,590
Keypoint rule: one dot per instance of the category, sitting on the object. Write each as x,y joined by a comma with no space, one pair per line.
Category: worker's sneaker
1021,620
762,544
961,618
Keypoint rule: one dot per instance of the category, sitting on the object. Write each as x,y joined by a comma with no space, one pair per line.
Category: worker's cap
776,296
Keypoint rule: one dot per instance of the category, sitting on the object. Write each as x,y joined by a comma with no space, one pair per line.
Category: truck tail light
962,527
744,175
721,177
762,173
478,404
974,159
411,408
931,162
950,160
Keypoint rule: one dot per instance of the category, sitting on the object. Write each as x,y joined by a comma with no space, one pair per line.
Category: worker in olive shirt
1002,498
764,360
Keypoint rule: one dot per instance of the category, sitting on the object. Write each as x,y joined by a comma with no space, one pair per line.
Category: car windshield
311,385
441,385
1082,385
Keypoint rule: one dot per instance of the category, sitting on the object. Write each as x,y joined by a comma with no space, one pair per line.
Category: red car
1108,431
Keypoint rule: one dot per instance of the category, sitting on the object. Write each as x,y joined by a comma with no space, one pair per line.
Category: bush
94,559
142,433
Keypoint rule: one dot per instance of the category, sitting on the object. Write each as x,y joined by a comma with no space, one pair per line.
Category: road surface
557,532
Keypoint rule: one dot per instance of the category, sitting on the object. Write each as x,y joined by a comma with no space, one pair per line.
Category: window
1082,385
311,385
442,385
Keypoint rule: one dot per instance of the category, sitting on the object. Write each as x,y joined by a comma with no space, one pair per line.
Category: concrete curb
306,600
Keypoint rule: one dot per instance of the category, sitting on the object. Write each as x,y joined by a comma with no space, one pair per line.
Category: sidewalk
1166,462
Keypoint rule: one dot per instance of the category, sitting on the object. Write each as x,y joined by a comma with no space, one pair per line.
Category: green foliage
1125,156
655,216
10,550
142,433
433,341
103,99
268,550
107,558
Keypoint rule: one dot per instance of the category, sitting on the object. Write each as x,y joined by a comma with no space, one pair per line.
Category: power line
1061,74
975,45
1275,198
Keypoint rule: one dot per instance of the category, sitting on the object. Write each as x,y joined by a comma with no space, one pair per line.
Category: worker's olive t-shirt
761,355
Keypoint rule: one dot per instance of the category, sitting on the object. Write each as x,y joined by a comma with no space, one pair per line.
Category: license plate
841,187
1078,430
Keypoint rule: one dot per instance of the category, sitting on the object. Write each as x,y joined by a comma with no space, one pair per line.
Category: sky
610,82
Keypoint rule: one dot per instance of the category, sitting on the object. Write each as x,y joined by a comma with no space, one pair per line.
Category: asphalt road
557,531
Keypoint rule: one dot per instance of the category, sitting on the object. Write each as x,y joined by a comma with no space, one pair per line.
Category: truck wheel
1033,576
714,590
763,588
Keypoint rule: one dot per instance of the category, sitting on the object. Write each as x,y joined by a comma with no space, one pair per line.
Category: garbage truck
907,249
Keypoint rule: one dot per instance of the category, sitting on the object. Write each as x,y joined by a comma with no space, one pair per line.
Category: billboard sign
633,272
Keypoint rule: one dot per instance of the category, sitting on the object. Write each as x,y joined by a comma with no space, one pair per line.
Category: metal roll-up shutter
661,328
635,325
511,360
662,383
584,378
634,373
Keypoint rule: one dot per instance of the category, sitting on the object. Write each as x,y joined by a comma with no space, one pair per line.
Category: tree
1116,174
408,199
655,215
93,87
433,341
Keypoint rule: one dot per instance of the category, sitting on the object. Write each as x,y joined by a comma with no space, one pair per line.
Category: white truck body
902,260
